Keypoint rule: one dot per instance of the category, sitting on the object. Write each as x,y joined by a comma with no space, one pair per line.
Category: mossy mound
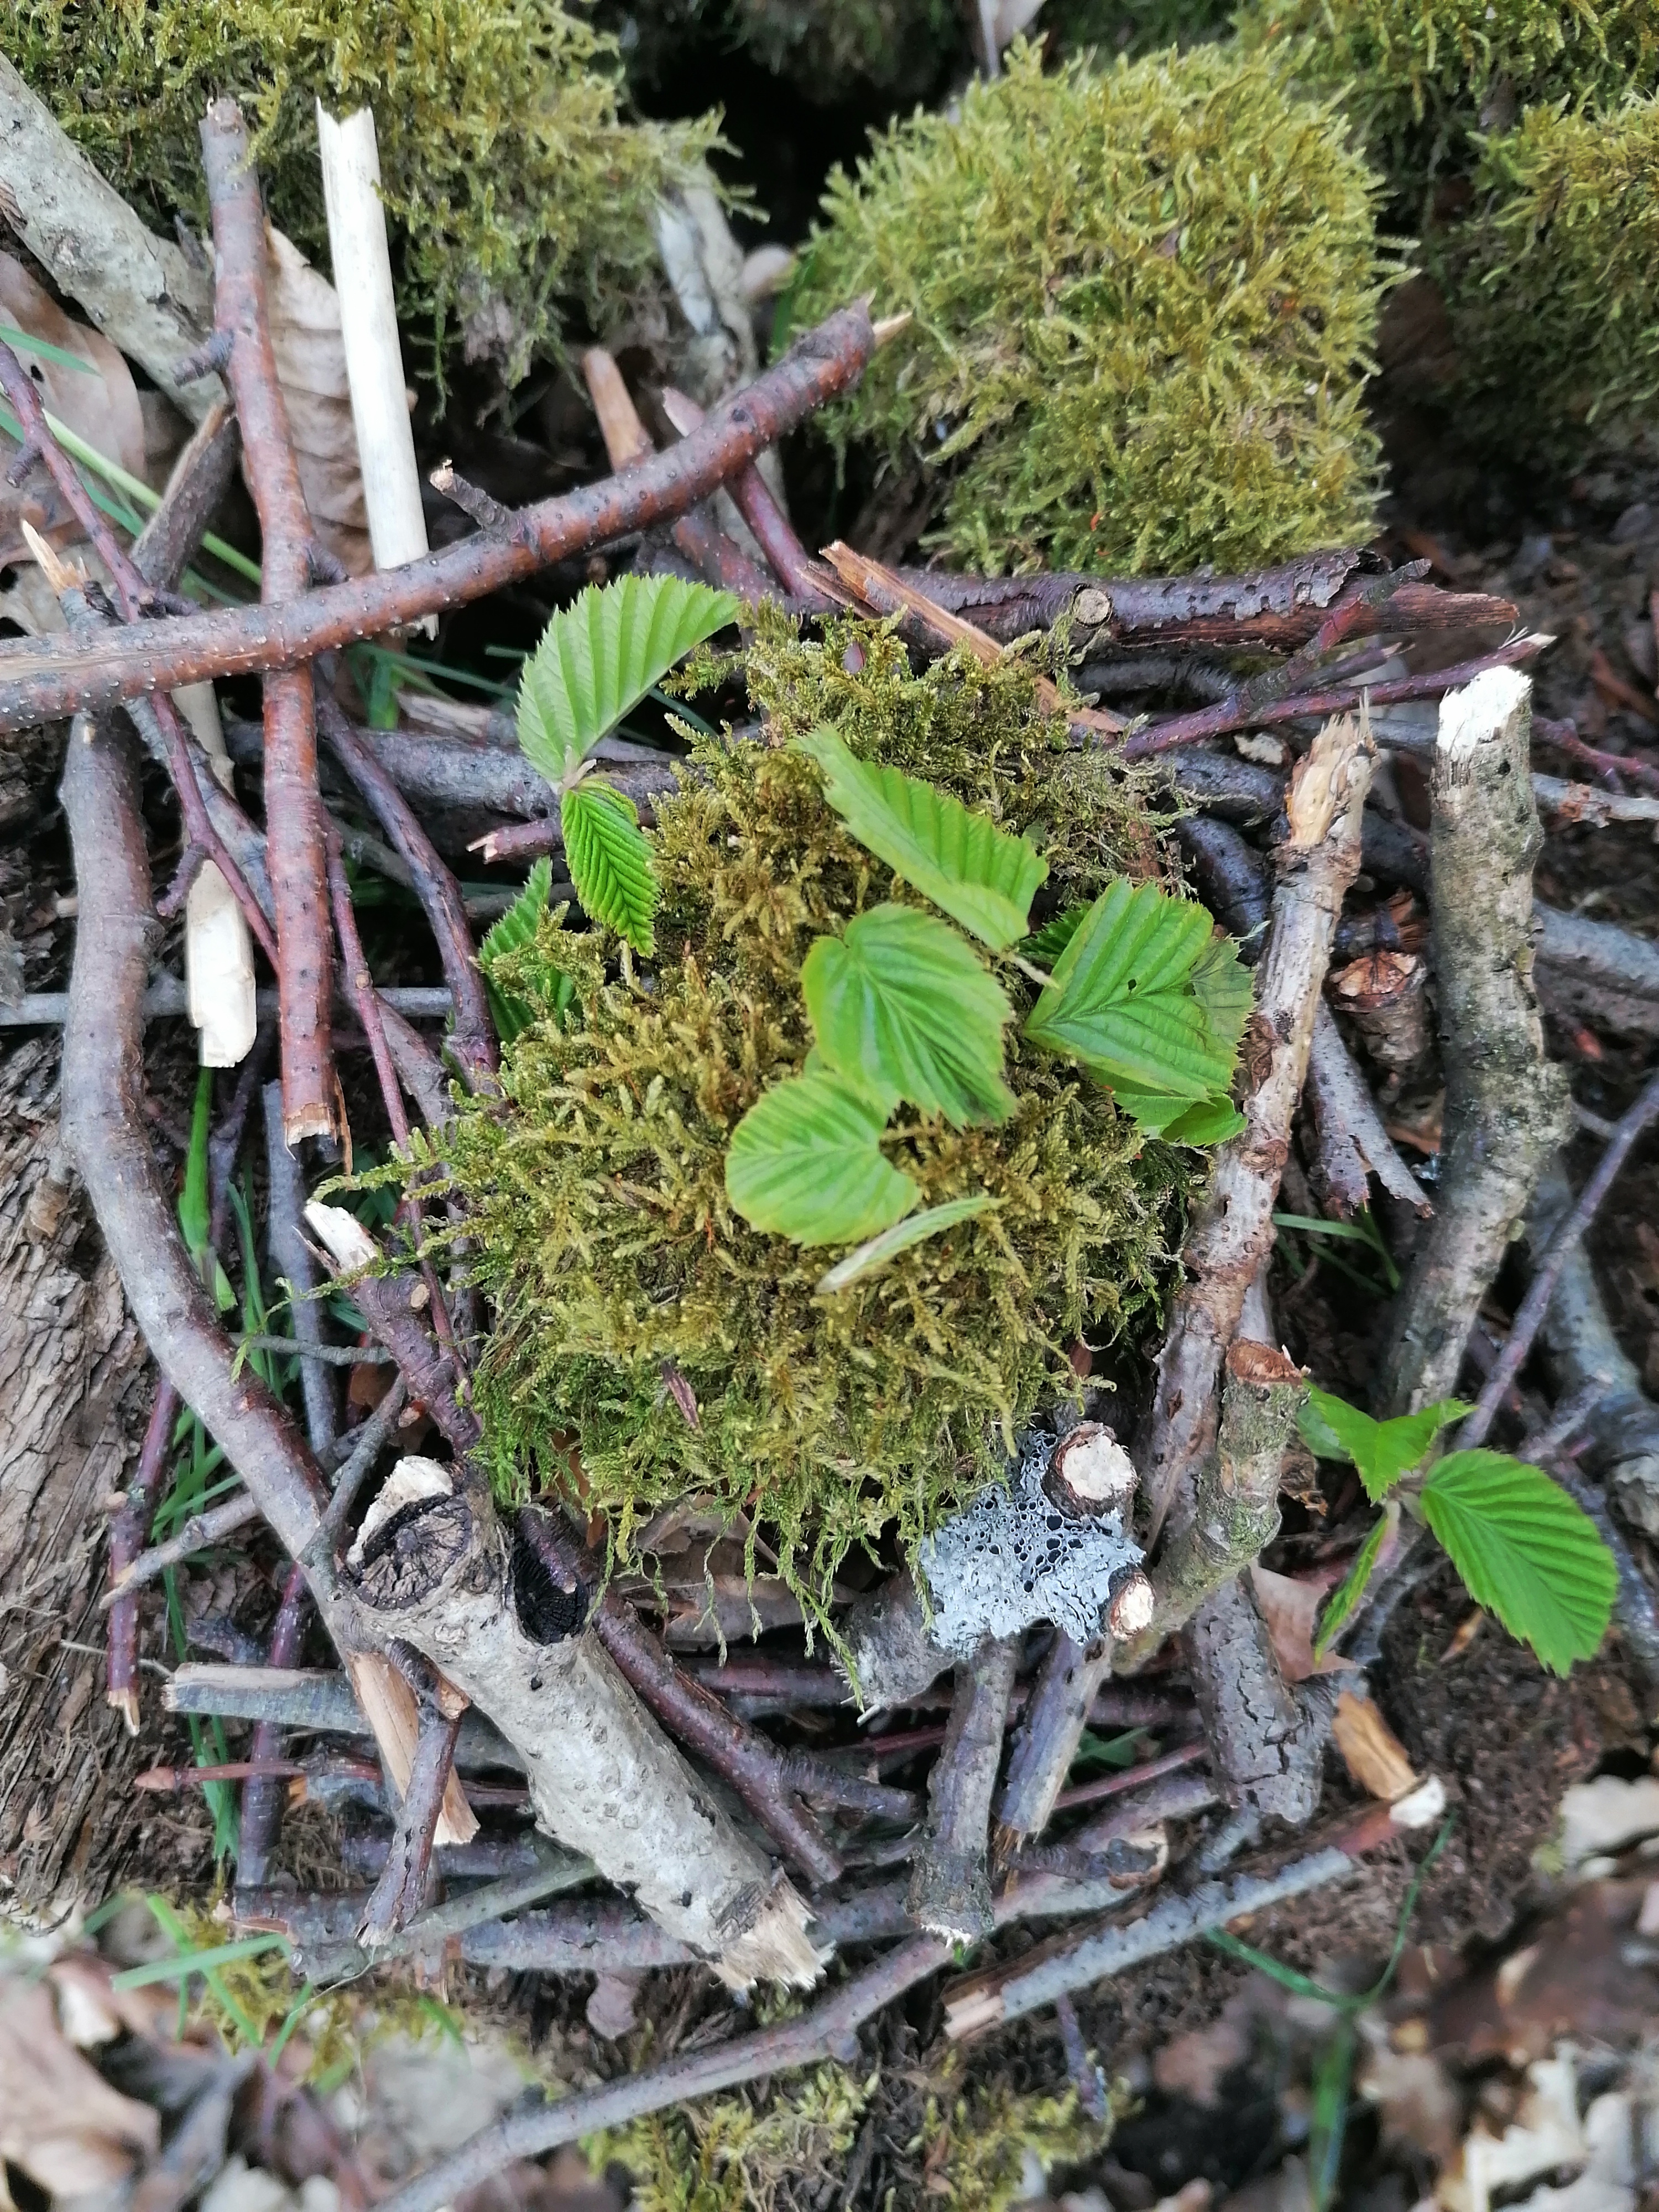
518,194
1143,301
596,1200
1423,79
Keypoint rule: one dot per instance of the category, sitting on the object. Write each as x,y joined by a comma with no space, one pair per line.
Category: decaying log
1506,1106
435,1567
949,1892
1233,1229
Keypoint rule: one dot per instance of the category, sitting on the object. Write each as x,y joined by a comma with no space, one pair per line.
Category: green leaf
980,876
1382,1450
1221,984
1122,1000
891,1241
609,860
1340,1608
806,1162
1055,934
1211,1121
1525,1550
512,932
599,656
902,1008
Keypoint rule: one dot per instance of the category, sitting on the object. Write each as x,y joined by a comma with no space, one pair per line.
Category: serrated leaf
806,1162
609,861
1122,1000
1055,934
891,1241
1340,1607
1525,1550
511,933
980,876
902,1008
599,656
1382,1450
1211,1122
1221,984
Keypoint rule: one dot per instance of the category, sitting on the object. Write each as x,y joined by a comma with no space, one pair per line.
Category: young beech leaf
514,930
902,1008
1382,1450
1211,1121
1525,1550
806,1162
1122,1000
980,876
600,655
891,1241
1221,984
610,861
1048,944
1342,1602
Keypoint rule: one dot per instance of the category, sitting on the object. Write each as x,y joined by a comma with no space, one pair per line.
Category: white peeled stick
218,948
369,326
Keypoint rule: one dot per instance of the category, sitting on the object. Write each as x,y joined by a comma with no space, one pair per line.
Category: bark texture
949,1892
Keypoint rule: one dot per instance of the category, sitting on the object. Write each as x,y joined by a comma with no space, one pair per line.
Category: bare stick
45,678
1233,1231
774,531
1353,1144
1132,1779
473,1037
126,1536
392,1305
262,1795
1523,1330
291,1258
1507,1107
949,1892
198,481
200,1531
401,1891
737,1752
293,812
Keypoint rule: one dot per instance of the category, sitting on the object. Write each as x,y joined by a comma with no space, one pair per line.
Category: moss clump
1551,284
1424,78
518,194
1144,302
597,1204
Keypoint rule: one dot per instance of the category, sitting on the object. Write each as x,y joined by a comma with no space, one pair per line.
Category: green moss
519,195
1144,301
1423,78
596,1200
1551,283
978,2145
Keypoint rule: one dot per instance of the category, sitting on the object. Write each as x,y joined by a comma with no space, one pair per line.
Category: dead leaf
1417,2103
1544,2135
1602,1816
59,2120
1581,1976
1372,1753
1290,1606
99,404
305,336
91,2013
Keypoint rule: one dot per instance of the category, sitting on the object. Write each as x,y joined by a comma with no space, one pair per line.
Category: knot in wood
405,1560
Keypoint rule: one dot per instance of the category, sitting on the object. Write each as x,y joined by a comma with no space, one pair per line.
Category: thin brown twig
126,1538
401,1891
262,1797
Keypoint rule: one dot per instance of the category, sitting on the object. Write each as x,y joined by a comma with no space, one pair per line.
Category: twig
1596,952
360,989
489,513
744,1759
293,810
262,1795
197,482
472,1037
201,1531
126,1536
949,1892
1564,735
302,1698
1089,2081
1175,1794
392,1305
1634,1612
1234,880
1507,1107
1352,1142
291,1258
1132,1779
1584,802
401,1890
826,2031
1233,1229
774,531
322,1355
1568,1237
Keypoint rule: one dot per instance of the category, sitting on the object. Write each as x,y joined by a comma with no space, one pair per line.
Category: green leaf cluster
903,1010
1521,1547
520,199
597,1205
597,659
1145,298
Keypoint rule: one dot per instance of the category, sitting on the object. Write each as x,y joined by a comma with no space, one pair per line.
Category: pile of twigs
439,1616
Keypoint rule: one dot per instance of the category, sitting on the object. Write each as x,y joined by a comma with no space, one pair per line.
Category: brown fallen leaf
60,2121
99,403
305,336
1290,1606
1372,1753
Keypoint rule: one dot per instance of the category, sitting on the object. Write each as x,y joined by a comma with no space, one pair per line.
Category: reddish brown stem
472,1037
738,1754
126,1540
198,480
1564,736
773,533
293,810
263,1796
1132,1777
360,989
171,1779
401,1891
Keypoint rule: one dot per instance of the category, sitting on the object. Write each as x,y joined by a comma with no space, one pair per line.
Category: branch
393,1304
434,1567
949,1892
263,1796
294,810
402,1888
1506,1106
1352,1142
292,1262
127,1532
774,531
1233,1230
